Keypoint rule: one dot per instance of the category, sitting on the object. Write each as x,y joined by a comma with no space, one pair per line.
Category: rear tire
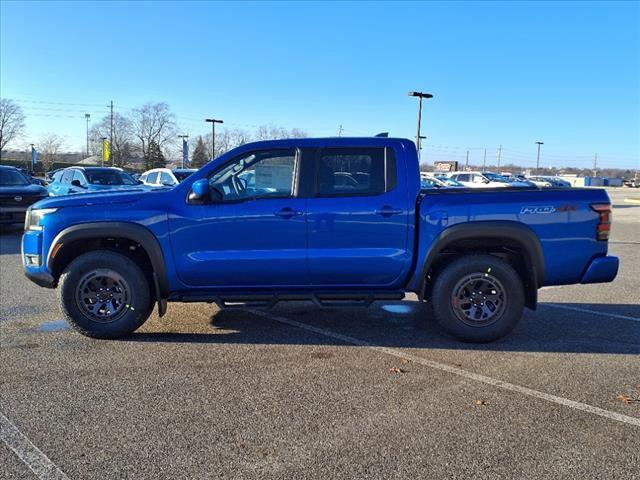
104,294
478,298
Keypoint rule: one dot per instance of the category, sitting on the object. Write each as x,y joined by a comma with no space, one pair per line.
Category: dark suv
17,193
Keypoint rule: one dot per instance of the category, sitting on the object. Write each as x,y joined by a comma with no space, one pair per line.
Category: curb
633,200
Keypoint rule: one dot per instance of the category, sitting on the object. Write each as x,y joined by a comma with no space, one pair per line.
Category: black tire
474,287
91,309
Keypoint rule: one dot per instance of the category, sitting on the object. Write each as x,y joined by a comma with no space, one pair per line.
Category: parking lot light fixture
420,96
538,158
213,122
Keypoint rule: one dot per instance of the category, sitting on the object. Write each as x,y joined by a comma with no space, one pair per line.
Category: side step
321,299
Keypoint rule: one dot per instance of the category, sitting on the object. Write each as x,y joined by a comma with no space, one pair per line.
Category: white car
539,182
165,177
485,180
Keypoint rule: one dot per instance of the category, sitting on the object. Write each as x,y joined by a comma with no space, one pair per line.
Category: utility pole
595,165
111,130
420,96
103,151
466,162
340,131
484,160
184,139
213,122
87,116
538,159
499,156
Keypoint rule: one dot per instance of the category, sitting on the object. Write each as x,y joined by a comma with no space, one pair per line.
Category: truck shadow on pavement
547,330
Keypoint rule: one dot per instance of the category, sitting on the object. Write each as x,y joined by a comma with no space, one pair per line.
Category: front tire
104,294
478,298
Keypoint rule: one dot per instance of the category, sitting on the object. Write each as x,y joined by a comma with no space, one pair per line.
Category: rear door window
354,171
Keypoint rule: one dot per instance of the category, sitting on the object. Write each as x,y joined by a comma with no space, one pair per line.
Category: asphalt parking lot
302,392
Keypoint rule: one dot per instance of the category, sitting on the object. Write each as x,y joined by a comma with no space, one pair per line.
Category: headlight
34,218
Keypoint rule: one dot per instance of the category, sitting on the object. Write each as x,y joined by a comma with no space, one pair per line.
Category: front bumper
601,270
32,246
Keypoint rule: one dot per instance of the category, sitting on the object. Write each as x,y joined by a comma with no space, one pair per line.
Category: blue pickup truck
335,221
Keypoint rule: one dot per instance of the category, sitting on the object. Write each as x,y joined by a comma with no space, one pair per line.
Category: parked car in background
165,177
431,181
553,181
450,182
486,180
91,179
17,193
539,182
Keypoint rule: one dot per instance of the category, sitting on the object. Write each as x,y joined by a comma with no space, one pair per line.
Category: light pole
538,159
87,116
184,138
213,122
420,96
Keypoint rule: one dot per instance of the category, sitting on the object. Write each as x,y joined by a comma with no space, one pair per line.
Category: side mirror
201,192
76,183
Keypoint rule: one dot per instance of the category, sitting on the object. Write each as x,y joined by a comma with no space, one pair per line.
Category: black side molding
130,231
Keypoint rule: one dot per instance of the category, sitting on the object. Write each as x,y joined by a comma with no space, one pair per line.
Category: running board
266,301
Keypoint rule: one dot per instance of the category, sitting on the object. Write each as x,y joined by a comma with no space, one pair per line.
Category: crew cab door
358,219
254,235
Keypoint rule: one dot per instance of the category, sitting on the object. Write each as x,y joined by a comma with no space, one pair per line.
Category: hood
88,199
30,189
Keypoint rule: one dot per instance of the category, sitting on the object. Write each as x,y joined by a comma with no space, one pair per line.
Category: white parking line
31,455
593,312
458,371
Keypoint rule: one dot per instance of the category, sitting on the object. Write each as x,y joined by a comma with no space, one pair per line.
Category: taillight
604,221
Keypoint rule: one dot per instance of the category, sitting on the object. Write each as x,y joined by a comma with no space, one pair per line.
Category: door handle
287,213
387,211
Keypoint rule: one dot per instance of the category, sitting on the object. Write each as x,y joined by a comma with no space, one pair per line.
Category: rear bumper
601,270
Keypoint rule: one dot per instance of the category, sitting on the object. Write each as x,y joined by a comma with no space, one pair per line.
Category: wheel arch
137,234
502,237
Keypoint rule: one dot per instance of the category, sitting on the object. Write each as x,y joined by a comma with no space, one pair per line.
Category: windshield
109,177
494,177
10,178
180,176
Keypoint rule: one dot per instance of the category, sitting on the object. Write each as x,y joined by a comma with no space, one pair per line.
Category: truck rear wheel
478,298
104,295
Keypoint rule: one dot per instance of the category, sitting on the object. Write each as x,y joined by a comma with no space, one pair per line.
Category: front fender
130,231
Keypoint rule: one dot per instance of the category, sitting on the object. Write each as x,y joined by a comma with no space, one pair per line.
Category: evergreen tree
154,157
200,156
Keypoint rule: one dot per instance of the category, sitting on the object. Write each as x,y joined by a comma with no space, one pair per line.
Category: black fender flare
130,231
500,229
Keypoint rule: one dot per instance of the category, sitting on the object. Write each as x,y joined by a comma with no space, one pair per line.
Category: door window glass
351,171
67,176
78,175
256,175
152,178
165,179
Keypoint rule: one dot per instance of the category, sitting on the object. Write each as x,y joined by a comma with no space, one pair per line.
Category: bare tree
49,147
121,142
154,126
11,122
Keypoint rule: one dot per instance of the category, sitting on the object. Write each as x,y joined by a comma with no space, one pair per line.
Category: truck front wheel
478,298
104,294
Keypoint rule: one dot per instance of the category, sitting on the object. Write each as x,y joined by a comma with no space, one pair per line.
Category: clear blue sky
502,73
